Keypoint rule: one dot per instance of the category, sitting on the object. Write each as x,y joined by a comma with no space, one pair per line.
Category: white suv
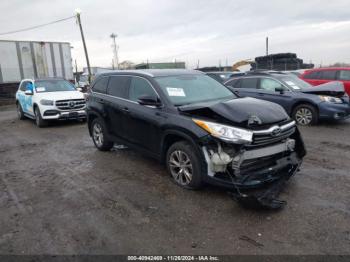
49,99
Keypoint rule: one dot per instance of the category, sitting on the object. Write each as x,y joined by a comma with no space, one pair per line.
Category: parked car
304,103
223,76
49,99
321,76
199,128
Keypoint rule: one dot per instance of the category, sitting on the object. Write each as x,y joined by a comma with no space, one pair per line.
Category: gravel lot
59,195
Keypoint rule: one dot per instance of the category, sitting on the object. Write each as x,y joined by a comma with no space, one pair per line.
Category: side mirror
147,100
79,89
28,92
280,90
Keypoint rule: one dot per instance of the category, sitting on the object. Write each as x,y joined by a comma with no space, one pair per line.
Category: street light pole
77,12
115,50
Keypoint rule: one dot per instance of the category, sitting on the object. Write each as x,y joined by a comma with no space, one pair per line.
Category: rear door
116,104
142,123
26,101
344,76
21,95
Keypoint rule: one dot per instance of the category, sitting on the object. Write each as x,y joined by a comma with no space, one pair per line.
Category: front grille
265,138
70,104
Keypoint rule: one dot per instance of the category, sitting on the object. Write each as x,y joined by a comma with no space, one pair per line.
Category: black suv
197,126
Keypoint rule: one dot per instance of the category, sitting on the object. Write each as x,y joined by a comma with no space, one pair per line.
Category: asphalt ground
59,195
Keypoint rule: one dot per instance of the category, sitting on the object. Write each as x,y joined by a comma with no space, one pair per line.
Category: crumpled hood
334,88
239,111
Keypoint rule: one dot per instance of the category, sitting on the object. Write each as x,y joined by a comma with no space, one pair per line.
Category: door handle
261,94
125,109
100,100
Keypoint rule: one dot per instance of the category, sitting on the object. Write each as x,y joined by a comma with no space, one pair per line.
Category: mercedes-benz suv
49,99
200,129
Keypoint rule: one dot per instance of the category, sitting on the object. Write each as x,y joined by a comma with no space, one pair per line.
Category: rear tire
305,115
99,135
38,119
184,165
20,113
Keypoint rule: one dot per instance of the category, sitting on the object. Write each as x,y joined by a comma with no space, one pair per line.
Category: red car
324,75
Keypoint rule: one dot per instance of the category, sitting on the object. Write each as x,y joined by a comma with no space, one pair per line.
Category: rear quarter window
100,86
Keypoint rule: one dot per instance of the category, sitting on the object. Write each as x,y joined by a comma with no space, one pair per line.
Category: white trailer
34,59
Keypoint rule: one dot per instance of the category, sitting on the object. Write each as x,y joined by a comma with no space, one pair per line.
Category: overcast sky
188,30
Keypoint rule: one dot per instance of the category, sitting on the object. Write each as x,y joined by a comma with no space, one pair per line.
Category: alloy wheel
181,167
97,134
303,116
37,117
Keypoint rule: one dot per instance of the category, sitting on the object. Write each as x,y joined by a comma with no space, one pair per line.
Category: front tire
305,115
20,113
184,165
38,119
99,135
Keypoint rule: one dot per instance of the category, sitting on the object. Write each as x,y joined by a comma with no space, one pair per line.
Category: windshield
296,83
189,89
53,86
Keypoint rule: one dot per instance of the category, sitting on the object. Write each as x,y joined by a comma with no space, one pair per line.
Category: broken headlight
331,99
227,133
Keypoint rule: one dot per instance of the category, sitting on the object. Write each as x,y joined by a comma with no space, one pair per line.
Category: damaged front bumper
255,173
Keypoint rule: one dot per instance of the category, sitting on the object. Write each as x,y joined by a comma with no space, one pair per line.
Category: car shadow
65,123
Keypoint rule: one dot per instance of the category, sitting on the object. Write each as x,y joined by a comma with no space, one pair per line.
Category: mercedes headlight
46,102
331,99
227,133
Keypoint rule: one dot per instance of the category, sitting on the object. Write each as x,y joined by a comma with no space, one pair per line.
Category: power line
37,26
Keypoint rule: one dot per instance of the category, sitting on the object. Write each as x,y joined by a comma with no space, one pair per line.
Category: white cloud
189,30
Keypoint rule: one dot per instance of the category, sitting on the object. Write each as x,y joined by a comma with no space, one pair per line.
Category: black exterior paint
152,129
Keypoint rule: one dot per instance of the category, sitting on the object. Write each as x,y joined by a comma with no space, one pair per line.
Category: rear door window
344,75
249,83
140,87
118,86
101,85
328,74
313,75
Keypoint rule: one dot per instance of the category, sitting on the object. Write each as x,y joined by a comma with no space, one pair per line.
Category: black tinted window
344,75
313,75
249,82
117,86
101,85
234,83
140,87
328,74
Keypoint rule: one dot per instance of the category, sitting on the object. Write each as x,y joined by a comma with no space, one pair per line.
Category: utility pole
115,50
77,13
267,46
